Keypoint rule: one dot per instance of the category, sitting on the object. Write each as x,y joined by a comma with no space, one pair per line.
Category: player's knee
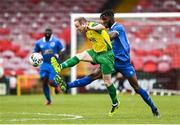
107,82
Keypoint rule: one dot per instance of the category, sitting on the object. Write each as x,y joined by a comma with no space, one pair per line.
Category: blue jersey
49,48
121,47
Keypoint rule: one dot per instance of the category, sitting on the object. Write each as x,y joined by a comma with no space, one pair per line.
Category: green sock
70,62
112,92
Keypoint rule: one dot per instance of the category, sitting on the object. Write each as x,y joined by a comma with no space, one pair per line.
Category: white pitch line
68,116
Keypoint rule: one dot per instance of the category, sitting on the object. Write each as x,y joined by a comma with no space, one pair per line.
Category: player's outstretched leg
68,63
80,82
55,65
85,80
144,95
148,100
62,84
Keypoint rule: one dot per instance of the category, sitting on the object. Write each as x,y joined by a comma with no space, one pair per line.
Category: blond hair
81,20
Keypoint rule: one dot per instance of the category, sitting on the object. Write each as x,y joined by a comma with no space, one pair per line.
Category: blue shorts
125,68
46,70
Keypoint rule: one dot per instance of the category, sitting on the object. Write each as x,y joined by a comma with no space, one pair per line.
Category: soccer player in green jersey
101,53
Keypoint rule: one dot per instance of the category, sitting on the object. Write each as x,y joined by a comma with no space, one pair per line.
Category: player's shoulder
55,39
39,40
118,25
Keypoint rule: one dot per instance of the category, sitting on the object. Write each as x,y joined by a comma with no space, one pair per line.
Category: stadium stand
19,30
158,6
24,22
155,41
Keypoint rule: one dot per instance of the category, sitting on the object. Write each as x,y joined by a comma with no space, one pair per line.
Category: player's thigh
43,71
106,62
134,82
96,75
127,71
107,79
52,73
84,56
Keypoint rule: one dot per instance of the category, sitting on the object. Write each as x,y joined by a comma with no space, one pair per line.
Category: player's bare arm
113,35
97,27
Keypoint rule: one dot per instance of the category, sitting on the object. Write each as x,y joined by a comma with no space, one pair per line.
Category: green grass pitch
86,109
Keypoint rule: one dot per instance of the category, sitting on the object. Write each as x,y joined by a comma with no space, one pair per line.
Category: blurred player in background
101,53
123,64
49,46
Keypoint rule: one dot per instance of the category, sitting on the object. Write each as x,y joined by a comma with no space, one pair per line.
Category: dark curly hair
107,13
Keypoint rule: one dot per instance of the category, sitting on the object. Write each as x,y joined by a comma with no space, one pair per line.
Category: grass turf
93,108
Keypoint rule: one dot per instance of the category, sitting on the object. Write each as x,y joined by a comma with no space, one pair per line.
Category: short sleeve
37,48
60,46
117,29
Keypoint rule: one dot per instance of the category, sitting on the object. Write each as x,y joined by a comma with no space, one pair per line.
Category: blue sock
146,98
80,82
46,92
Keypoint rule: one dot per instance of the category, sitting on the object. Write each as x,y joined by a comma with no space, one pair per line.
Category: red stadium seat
176,61
8,54
5,43
27,26
21,53
150,64
156,52
19,71
172,48
178,35
157,6
164,63
163,67
141,52
65,35
14,48
16,60
9,72
37,36
35,1
4,31
138,63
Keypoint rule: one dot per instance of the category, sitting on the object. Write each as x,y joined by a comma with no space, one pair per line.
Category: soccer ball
36,59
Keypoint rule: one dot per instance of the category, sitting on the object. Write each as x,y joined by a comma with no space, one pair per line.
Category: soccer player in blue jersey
121,49
48,46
